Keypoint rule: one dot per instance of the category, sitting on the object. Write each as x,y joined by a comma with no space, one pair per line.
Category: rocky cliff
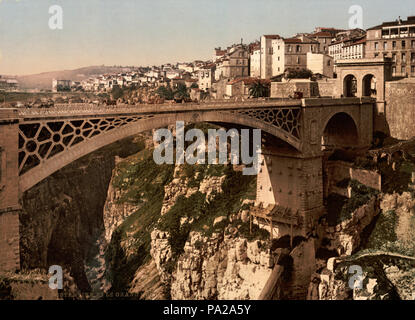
62,216
192,242
380,267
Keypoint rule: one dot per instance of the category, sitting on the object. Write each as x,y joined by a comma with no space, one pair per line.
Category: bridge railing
82,108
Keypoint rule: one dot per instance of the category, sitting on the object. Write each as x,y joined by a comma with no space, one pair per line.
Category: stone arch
350,86
340,130
50,166
369,88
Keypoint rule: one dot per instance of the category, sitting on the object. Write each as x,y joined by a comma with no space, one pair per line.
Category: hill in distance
44,80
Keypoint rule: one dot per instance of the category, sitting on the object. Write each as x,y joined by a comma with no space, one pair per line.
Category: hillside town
241,71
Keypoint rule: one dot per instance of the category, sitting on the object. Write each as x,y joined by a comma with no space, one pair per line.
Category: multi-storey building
235,63
255,61
353,48
395,40
206,77
279,54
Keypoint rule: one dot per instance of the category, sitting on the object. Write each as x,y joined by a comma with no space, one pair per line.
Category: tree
116,92
194,85
298,74
165,92
181,92
259,89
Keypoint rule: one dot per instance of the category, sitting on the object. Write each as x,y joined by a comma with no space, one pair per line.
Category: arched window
369,86
350,86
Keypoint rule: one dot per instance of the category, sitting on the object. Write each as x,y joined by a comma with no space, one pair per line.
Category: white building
320,63
205,78
255,63
279,54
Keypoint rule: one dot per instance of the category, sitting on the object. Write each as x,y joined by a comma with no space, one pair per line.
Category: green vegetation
236,187
165,92
5,290
298,74
340,208
384,230
142,181
181,92
117,92
396,180
259,89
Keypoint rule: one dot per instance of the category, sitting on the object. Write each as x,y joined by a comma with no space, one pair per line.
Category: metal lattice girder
39,141
286,119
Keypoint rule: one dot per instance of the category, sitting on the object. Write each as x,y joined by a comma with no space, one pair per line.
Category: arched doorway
340,132
350,86
369,86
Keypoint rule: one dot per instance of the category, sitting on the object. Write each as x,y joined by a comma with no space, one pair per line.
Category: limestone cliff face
63,216
386,259
345,237
216,267
220,264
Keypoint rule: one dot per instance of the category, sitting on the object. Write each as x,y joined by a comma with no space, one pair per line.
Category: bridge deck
90,109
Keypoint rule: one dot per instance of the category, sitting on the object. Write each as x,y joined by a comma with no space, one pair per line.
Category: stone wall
327,88
336,171
287,89
400,108
303,267
9,241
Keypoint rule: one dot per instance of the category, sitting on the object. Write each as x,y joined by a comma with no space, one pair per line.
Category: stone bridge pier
9,191
292,180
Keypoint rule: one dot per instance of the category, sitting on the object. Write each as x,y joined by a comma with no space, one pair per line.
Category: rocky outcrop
161,253
63,217
115,212
385,273
345,237
404,207
221,267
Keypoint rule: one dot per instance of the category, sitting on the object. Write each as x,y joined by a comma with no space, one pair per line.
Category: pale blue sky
147,32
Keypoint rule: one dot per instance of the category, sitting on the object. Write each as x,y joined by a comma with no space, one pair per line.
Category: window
376,55
413,69
403,57
393,70
413,57
328,63
289,48
385,46
298,48
394,44
298,60
403,44
413,44
403,70
394,57
278,58
376,46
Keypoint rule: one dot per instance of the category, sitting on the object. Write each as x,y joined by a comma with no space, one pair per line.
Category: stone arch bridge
35,143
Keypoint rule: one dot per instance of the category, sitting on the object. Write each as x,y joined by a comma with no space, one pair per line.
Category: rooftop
397,23
272,36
